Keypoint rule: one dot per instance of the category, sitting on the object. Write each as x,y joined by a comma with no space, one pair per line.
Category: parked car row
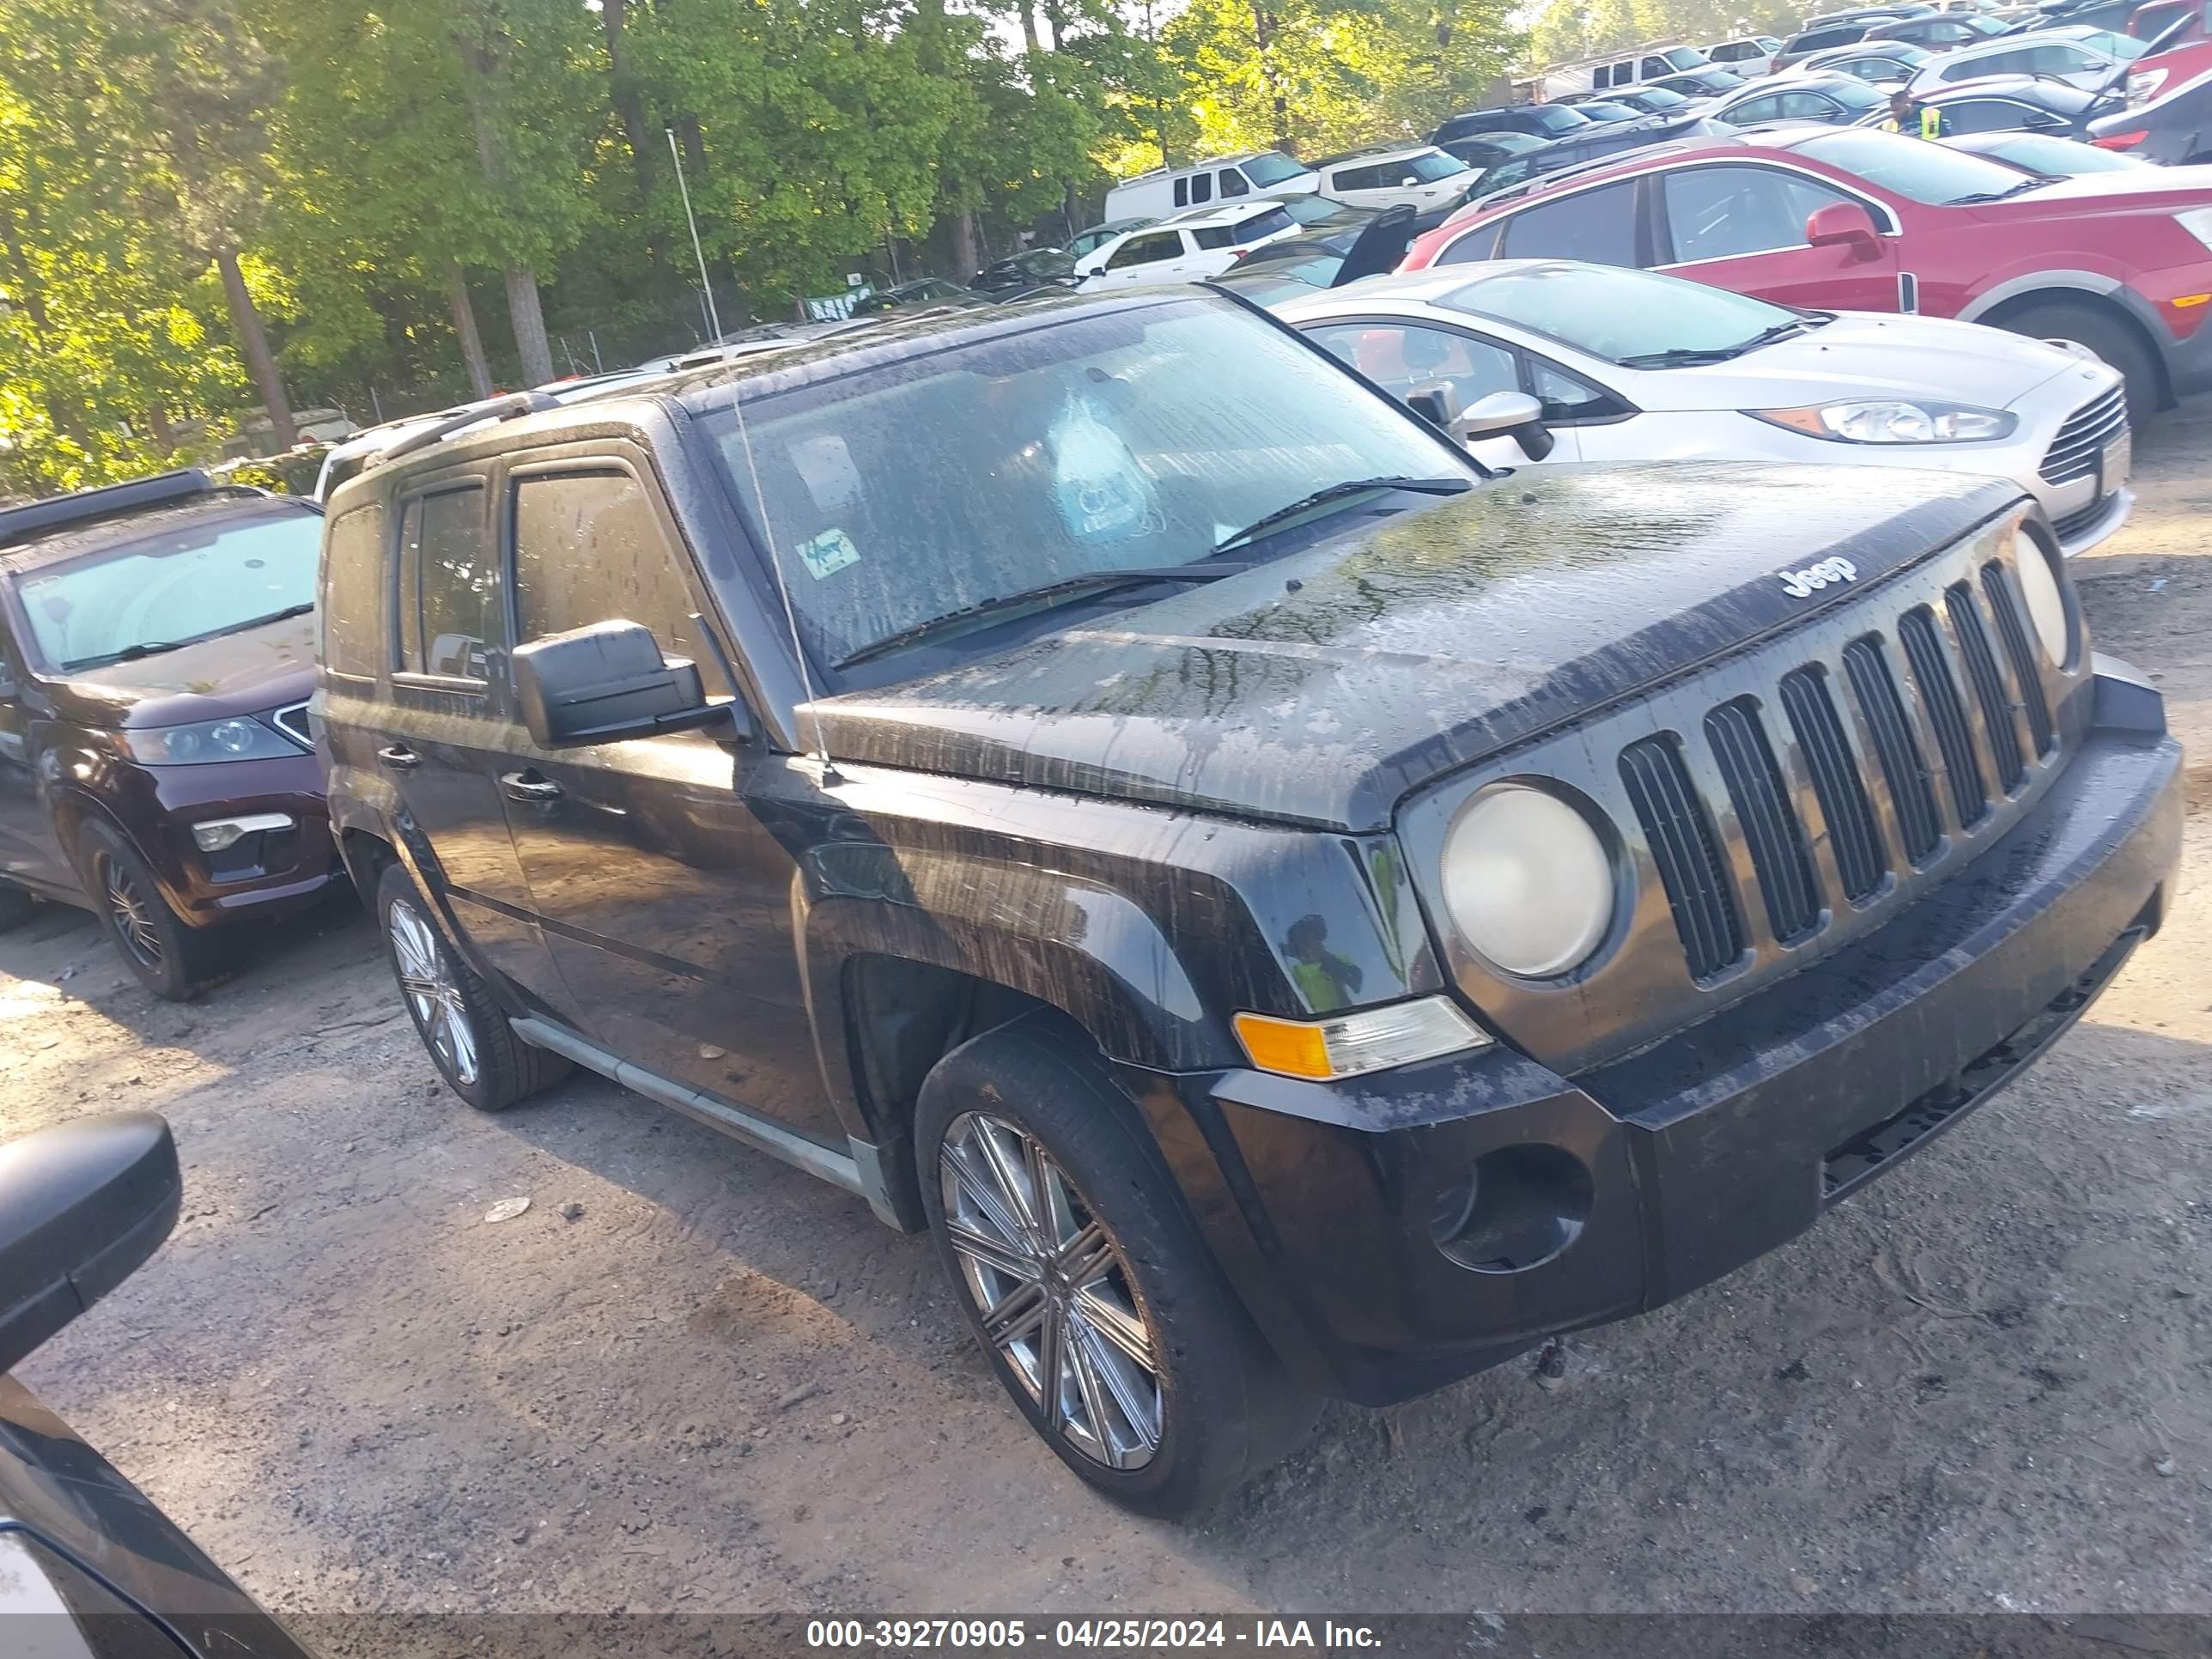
1047,767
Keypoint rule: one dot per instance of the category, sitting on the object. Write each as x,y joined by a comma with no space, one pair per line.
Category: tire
463,1029
2111,339
16,907
1131,1282
172,958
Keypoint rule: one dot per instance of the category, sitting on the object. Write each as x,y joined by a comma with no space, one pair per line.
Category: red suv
1856,219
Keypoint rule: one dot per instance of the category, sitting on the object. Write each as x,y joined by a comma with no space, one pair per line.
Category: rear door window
448,621
1598,225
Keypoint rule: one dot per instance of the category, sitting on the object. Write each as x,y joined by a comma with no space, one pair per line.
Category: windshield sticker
1100,491
824,465
828,553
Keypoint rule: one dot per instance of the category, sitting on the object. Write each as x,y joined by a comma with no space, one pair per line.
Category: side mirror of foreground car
1843,224
1507,413
82,1204
605,683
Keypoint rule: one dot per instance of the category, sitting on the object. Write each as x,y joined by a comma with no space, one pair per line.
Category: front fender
1147,926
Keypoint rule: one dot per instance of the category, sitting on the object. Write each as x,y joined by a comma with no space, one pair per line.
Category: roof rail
107,500
511,407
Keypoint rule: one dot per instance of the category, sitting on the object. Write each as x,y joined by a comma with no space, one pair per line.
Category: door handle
529,787
399,757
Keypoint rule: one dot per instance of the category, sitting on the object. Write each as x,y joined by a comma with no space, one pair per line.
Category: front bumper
1664,1171
275,873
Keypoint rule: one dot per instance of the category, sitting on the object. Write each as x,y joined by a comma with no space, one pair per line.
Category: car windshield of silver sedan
197,577
1048,465
1636,318
1930,173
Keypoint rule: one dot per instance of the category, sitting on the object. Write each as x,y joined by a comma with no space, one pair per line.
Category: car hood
1863,354
2130,190
247,672
1321,687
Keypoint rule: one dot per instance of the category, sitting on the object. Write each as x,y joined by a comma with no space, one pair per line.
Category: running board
840,1169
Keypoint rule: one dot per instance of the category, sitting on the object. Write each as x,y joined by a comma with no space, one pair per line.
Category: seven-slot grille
2073,453
1939,688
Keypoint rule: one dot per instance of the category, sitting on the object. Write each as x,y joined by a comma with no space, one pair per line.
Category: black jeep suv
1291,912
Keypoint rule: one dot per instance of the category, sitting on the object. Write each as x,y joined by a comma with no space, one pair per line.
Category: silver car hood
1861,355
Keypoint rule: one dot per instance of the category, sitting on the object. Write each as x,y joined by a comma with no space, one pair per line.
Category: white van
1163,190
1623,69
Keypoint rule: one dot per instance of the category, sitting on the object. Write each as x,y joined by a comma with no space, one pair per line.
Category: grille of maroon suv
1953,688
2073,453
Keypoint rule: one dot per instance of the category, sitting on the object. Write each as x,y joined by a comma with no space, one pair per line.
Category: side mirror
82,1204
1407,182
1843,224
1513,415
606,683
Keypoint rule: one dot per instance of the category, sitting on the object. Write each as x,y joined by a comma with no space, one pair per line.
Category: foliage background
214,211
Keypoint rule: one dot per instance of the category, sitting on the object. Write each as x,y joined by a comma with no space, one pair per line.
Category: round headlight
234,736
1527,881
2046,605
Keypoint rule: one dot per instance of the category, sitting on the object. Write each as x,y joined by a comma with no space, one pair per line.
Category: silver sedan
1551,360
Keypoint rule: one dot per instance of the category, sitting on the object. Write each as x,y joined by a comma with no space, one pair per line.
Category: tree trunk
26,284
1029,27
629,105
964,257
1263,36
694,147
530,342
253,344
465,325
157,427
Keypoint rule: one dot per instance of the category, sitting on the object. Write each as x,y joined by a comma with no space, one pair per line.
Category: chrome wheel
433,995
132,913
1052,1288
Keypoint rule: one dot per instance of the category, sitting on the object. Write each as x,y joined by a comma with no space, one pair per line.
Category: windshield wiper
1067,587
285,615
1349,487
1684,356
2033,181
128,653
154,647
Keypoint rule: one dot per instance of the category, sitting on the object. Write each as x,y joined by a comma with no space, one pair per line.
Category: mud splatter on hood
1321,687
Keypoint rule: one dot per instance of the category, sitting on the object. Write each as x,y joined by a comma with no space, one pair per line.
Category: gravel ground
1984,1386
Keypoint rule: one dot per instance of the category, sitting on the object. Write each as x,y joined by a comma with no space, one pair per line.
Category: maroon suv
156,652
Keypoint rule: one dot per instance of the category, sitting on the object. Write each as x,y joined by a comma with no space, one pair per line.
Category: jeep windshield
173,579
938,485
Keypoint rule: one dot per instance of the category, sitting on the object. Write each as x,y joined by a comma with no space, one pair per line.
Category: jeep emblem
1802,583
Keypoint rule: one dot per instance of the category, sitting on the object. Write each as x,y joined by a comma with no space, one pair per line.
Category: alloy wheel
132,913
1053,1290
432,994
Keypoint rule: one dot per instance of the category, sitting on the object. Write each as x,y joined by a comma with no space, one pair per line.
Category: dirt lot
1985,1385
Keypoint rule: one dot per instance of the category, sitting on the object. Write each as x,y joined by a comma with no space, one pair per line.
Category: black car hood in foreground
1321,687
